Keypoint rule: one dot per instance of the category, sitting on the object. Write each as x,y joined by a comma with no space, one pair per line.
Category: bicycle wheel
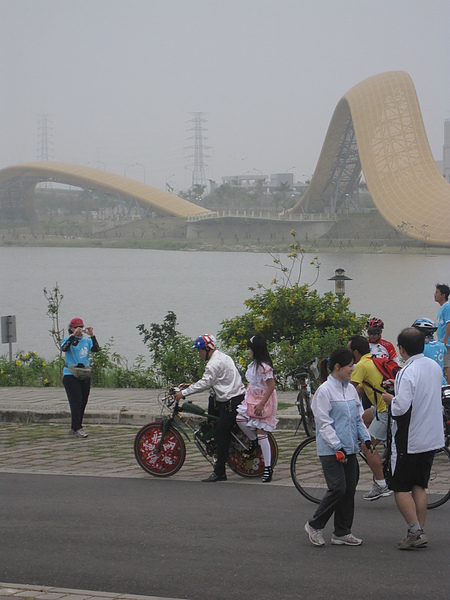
249,467
164,462
306,471
309,423
438,491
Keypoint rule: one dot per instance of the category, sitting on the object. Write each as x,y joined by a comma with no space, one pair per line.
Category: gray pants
340,497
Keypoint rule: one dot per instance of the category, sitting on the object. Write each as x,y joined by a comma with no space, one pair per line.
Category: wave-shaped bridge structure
377,128
18,183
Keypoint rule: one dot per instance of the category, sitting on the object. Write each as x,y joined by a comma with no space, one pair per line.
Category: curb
122,417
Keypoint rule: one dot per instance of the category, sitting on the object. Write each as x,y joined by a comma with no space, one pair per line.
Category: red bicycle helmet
374,323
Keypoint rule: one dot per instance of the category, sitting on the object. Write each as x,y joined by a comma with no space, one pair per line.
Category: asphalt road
188,539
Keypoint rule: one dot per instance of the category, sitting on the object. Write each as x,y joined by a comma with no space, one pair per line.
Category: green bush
173,359
29,369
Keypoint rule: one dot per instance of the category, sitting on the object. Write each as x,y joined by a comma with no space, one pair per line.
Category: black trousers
77,394
339,499
226,422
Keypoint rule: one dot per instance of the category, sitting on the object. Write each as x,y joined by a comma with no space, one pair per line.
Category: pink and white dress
257,386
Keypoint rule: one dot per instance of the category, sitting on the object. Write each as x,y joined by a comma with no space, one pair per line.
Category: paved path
107,406
34,425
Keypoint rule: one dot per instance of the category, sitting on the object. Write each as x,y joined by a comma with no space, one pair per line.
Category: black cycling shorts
411,470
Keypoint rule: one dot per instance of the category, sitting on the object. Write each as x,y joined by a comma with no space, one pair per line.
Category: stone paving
8,591
107,452
34,426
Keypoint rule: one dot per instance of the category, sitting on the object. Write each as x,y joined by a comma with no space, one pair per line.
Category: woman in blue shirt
76,373
339,427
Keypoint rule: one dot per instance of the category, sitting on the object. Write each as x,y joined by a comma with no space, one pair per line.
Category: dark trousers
226,422
340,497
77,394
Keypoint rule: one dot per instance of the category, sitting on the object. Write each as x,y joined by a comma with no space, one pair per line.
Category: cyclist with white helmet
221,375
379,347
433,349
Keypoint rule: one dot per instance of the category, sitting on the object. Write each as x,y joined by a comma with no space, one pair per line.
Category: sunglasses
373,331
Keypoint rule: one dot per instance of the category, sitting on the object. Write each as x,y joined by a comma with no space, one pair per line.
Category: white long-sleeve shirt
417,407
220,374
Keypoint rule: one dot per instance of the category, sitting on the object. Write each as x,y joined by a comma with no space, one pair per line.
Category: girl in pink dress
256,415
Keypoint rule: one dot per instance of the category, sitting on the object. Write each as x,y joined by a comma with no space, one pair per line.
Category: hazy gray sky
118,78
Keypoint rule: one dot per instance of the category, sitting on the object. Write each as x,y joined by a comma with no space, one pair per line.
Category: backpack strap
376,392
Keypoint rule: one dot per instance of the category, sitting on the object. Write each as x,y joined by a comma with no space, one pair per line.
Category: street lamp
126,169
134,165
169,187
339,281
141,165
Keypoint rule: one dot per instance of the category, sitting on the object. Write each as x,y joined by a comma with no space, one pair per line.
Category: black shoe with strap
267,476
250,452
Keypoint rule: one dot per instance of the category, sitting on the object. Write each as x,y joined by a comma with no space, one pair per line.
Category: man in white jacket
417,431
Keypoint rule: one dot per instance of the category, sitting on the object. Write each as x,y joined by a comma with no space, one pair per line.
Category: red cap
76,322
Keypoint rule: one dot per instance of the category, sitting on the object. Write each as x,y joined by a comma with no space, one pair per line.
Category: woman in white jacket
339,427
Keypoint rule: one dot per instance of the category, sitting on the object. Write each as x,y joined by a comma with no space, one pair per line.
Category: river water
114,290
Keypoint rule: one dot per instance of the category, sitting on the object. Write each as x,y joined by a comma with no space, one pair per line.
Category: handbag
253,401
82,373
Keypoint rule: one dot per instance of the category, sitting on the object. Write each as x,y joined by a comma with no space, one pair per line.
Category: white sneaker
315,535
81,433
377,492
346,540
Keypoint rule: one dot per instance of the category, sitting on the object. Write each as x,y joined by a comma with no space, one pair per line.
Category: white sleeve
404,394
204,383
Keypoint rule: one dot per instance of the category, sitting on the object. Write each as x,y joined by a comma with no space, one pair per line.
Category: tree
298,323
54,298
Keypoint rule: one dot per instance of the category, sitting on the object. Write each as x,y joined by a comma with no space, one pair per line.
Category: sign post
9,332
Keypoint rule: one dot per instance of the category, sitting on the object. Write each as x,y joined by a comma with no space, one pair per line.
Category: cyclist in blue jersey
443,322
432,349
77,372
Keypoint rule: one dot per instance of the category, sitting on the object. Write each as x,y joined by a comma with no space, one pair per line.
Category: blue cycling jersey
435,351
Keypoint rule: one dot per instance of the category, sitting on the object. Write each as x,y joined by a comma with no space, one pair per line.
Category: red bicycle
160,449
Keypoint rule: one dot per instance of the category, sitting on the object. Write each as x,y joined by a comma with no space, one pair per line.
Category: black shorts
411,470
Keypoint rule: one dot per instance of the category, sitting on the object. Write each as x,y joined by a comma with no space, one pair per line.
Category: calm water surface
114,290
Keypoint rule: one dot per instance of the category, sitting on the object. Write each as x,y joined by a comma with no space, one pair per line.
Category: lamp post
126,169
169,187
141,165
339,281
134,165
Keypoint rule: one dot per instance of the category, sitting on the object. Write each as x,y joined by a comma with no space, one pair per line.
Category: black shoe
250,452
267,477
215,477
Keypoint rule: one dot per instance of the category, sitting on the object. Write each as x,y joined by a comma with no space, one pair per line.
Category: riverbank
353,234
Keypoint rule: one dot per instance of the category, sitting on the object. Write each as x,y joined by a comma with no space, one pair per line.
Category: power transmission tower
44,142
198,165
44,152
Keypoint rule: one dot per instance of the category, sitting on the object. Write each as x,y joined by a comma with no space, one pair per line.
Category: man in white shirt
222,375
417,431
